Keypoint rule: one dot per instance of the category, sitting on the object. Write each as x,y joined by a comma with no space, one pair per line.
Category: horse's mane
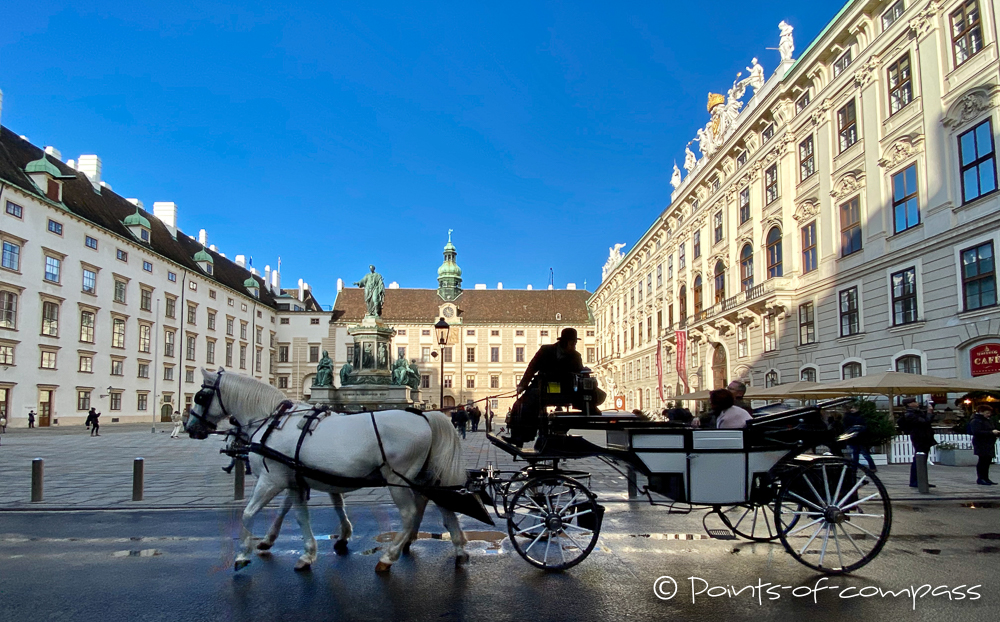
247,395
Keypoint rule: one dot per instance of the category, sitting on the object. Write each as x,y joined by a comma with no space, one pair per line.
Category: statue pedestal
372,359
363,398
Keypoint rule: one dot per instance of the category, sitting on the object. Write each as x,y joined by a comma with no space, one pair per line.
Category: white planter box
956,457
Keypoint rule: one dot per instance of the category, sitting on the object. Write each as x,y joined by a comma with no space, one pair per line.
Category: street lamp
441,329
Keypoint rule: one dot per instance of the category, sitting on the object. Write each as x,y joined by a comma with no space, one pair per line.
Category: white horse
423,450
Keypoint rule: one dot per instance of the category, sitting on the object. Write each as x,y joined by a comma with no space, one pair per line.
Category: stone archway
448,402
720,366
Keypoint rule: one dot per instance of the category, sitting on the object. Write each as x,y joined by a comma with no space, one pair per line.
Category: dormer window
252,286
205,261
47,178
138,226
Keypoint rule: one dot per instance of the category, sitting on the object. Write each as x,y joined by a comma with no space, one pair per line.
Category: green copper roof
203,255
251,283
449,246
449,268
138,219
42,165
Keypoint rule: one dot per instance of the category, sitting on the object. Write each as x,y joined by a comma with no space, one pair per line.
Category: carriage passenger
727,414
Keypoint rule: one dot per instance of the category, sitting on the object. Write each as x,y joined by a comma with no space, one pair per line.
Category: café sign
985,359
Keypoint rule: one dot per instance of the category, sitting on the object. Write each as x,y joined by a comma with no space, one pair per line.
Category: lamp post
441,329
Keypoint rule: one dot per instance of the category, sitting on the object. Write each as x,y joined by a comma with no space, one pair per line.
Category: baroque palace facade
843,222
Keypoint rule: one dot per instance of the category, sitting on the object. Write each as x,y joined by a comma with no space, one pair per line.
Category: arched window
770,379
808,374
774,253
697,294
720,282
909,364
682,304
746,268
851,370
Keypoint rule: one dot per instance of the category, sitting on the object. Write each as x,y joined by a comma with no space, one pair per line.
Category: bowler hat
568,334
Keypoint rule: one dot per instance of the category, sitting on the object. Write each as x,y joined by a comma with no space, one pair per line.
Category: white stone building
842,220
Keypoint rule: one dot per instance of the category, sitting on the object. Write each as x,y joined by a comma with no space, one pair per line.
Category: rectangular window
170,308
142,399
83,400
890,16
716,227
742,340
243,330
591,355
850,227
904,297
11,256
807,159
494,355
447,382
313,354
446,354
90,242
807,324
189,351
966,32
89,281
696,247
87,326
120,287
900,84
143,370
849,312
979,170
802,102
86,364
809,258
229,326
768,133
979,285
55,227
229,354
118,333
905,199
282,382
6,355
145,299
211,320
168,343
741,159
260,335
519,354
168,372
243,356
841,63
48,359
283,354
425,355
8,309
145,331
257,360
494,382
117,367
192,316
172,277
425,381
770,337
519,333
116,401
53,267
470,355
681,259
14,210
847,125
470,381
771,184
50,319
121,255
744,205
401,352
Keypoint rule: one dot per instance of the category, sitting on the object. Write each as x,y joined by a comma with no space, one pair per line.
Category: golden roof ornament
715,99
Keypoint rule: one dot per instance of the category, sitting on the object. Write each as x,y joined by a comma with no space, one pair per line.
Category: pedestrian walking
475,416
92,422
3,425
463,420
984,441
31,418
917,423
178,422
854,421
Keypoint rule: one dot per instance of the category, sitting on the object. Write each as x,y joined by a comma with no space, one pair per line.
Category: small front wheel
554,522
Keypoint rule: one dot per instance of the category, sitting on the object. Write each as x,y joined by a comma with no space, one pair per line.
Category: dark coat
918,424
855,421
984,441
475,415
460,417
552,361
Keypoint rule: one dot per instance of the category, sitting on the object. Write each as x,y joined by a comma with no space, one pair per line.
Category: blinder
204,397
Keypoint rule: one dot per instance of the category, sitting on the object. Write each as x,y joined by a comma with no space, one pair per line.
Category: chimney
253,271
529,286
394,285
71,164
267,275
500,285
135,202
212,248
203,237
571,286
340,285
223,255
480,285
241,261
90,165
52,151
105,184
166,212
550,286
275,281
302,293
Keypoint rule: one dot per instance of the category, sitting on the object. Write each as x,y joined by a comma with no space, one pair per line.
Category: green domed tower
449,274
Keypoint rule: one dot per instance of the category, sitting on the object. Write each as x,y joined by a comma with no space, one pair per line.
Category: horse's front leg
308,540
272,533
457,535
406,504
346,529
263,492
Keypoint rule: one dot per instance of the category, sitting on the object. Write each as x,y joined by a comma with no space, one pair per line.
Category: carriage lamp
441,329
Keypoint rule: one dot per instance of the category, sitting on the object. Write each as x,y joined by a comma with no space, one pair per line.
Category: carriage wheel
511,487
843,515
554,522
753,521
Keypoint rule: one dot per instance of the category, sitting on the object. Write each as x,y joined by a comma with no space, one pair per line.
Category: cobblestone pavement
85,472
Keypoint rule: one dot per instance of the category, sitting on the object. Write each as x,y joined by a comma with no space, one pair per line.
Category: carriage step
721,534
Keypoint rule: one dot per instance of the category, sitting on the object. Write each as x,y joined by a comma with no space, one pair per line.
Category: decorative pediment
849,183
970,105
806,210
748,318
743,240
867,72
765,227
722,256
901,150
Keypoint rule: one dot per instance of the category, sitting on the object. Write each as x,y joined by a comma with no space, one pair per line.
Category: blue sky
339,135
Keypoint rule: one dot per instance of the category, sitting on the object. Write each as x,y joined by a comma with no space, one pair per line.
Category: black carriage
774,480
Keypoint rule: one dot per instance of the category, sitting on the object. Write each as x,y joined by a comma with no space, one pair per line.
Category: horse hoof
264,545
301,566
382,567
241,564
462,559
340,547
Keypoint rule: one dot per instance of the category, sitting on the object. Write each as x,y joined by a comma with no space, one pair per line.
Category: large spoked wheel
755,520
554,522
833,516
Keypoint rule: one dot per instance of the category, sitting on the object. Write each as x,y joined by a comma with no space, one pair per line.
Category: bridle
204,397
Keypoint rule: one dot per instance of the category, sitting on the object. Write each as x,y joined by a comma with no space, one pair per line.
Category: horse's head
207,410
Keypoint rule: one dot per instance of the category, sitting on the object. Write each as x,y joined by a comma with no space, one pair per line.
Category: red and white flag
682,357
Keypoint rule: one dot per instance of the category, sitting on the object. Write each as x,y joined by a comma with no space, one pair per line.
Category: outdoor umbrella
697,395
781,390
988,383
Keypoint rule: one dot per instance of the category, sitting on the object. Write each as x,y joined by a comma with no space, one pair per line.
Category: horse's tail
445,460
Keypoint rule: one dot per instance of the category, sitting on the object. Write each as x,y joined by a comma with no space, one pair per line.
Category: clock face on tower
448,312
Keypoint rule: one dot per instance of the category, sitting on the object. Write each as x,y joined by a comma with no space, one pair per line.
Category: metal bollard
239,480
137,479
922,486
633,489
37,477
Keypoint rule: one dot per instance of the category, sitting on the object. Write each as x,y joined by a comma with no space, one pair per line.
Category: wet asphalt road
177,565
